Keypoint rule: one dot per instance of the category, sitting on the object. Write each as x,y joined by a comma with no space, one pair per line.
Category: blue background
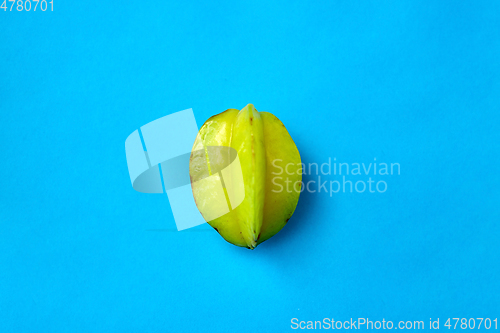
401,81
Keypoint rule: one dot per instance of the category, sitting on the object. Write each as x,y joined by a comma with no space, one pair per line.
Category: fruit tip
250,106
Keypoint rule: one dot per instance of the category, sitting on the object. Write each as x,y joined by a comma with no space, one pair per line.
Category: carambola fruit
246,175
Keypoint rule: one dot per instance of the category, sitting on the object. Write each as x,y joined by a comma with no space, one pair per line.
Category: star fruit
246,175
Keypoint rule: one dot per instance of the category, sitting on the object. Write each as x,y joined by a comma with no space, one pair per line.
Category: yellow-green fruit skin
270,166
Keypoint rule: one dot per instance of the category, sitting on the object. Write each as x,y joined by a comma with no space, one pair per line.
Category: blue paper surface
412,83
